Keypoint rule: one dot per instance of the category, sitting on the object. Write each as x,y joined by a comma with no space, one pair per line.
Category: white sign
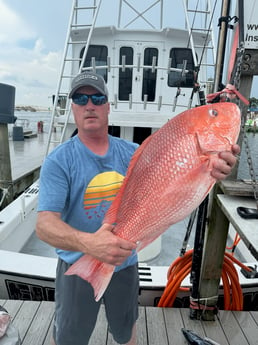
251,24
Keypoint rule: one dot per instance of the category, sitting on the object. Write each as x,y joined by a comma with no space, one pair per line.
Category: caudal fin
97,273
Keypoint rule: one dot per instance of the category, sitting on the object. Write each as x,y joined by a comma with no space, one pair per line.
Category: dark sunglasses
82,99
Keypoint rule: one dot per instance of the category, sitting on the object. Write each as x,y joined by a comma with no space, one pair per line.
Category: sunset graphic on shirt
102,189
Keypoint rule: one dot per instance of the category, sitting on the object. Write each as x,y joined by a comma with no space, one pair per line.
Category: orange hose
181,267
226,286
235,243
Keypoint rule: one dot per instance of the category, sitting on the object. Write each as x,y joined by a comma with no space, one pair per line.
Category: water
28,154
243,170
29,120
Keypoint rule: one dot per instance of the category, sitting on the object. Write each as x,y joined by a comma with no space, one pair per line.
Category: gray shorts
77,310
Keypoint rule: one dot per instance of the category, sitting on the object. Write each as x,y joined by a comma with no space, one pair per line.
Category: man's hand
223,167
110,248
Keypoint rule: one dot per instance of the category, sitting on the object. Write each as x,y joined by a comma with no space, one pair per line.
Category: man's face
90,117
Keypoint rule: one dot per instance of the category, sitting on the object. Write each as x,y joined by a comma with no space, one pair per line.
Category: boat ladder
83,15
199,19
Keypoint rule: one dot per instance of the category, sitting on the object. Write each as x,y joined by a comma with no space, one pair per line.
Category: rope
229,92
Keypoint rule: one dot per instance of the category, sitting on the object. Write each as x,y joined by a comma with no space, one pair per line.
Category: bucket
18,133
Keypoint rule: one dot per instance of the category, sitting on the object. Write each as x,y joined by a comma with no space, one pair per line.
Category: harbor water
28,154
29,120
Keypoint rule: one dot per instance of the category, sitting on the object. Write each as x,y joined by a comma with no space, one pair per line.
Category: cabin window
140,134
100,54
126,74
149,77
115,131
178,55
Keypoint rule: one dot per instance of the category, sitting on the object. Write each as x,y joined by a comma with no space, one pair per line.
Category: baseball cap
89,79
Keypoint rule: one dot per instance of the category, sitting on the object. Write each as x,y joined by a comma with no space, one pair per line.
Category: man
74,196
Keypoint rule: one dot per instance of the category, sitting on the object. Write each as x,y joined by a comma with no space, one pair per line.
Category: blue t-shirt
82,185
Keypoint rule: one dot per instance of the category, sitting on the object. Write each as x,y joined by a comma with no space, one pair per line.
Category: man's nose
90,104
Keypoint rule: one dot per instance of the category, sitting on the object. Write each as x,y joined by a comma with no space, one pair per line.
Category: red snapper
168,177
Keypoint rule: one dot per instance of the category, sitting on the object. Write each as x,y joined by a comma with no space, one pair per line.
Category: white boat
152,74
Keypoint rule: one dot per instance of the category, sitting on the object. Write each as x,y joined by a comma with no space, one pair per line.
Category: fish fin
110,216
97,273
139,151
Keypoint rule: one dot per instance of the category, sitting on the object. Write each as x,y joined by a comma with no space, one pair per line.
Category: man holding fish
79,180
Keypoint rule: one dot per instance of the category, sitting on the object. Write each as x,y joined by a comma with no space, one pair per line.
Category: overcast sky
32,37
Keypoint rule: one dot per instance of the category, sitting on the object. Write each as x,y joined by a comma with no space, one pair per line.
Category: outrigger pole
223,31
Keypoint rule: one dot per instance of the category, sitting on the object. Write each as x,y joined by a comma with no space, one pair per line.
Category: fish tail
97,273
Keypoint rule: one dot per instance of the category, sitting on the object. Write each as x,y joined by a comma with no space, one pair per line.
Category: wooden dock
26,158
155,326
27,155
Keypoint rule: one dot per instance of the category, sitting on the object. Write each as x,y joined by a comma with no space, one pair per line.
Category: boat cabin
150,74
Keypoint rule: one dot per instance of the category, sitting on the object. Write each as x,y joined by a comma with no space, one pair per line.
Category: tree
253,102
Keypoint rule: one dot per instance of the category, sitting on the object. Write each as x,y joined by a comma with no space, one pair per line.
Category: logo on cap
87,76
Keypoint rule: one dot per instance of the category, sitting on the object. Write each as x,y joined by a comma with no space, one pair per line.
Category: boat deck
154,326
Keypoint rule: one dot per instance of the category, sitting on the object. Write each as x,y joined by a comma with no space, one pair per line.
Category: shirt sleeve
53,186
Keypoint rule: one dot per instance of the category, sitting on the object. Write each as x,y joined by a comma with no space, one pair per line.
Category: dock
155,326
246,228
26,158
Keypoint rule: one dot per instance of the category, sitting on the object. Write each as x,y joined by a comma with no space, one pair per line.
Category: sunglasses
82,99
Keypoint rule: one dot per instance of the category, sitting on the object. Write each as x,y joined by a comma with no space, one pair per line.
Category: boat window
149,77
100,54
140,134
125,74
178,55
115,131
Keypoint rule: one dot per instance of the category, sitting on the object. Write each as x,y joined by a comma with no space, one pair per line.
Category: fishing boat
153,72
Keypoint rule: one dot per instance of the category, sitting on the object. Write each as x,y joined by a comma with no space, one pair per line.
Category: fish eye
213,112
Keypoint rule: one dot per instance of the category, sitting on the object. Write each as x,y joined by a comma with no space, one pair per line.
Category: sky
32,39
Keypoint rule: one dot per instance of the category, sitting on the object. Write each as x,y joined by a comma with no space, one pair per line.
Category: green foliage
253,102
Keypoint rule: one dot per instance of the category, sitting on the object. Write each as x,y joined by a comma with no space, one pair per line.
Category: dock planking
155,326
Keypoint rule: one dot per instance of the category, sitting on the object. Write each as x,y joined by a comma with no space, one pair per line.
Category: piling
7,97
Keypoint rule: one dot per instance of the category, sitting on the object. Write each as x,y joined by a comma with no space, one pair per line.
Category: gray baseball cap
89,79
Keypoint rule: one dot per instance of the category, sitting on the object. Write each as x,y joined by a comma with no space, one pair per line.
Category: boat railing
82,17
25,123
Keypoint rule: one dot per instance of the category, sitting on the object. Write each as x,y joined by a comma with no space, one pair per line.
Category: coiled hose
181,267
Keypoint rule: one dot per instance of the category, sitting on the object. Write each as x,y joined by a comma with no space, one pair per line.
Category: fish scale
168,177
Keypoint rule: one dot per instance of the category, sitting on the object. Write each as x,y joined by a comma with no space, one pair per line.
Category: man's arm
103,244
